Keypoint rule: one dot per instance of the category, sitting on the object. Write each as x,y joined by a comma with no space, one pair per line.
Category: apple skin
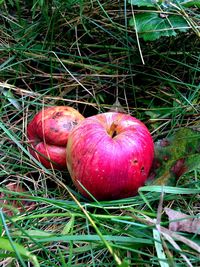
48,134
110,154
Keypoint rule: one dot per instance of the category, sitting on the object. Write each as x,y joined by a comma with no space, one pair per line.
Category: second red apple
48,134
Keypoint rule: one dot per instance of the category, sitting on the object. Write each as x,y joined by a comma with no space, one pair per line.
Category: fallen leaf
167,233
174,156
10,205
181,222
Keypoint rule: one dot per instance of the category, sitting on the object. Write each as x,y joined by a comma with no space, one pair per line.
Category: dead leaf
9,203
166,232
174,156
181,222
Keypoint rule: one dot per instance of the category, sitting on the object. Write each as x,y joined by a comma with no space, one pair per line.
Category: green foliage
152,26
14,247
162,18
189,3
145,3
164,3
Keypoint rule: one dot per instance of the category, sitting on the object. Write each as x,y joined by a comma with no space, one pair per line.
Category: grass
83,54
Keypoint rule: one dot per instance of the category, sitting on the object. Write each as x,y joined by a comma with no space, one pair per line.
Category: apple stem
112,131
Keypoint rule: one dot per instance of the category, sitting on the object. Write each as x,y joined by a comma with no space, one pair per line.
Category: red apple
110,155
48,134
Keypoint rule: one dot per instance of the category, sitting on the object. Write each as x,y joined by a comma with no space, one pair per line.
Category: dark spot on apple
70,125
53,129
135,161
67,126
74,123
57,114
142,169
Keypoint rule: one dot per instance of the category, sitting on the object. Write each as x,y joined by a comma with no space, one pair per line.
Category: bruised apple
48,134
109,155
